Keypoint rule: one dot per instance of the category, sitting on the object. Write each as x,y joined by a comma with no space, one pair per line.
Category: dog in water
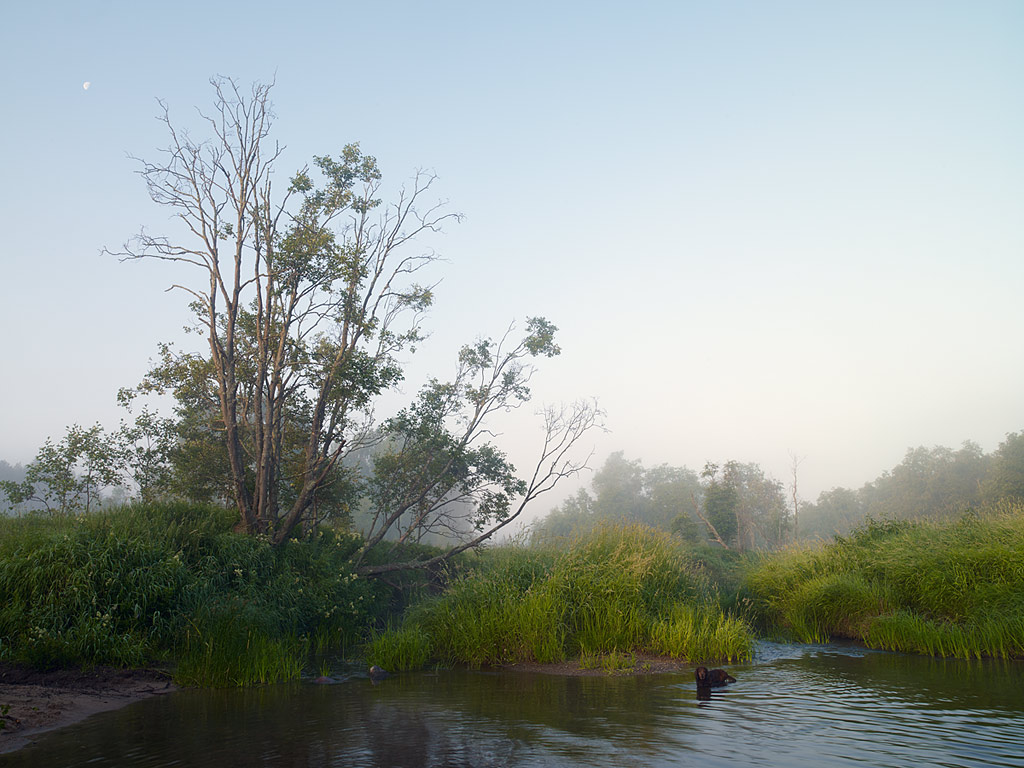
712,678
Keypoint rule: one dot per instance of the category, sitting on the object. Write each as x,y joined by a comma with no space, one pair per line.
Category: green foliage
701,633
749,511
625,492
399,650
1005,478
745,508
146,449
937,483
949,588
727,569
436,474
273,411
996,636
835,604
68,476
617,590
173,582
722,502
227,646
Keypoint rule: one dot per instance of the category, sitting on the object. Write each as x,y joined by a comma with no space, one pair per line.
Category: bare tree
474,489
794,466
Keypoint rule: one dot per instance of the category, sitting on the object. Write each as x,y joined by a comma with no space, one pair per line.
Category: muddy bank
33,702
642,664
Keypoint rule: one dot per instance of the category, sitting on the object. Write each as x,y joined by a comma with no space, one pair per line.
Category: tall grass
699,632
171,582
953,588
225,651
399,650
613,591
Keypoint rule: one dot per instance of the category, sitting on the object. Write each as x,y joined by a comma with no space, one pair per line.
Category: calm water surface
792,706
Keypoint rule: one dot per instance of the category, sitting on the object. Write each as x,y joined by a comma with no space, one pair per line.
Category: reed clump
171,583
399,649
617,590
952,588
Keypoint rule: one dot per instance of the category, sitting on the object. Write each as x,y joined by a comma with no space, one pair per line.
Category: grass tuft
399,650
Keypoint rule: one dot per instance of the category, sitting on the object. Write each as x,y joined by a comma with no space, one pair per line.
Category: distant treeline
928,483
738,506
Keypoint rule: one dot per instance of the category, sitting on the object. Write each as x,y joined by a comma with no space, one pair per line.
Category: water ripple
793,706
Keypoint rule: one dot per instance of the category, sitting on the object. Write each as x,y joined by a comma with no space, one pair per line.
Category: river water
793,705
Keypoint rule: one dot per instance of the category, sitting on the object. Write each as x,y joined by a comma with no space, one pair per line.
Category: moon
85,85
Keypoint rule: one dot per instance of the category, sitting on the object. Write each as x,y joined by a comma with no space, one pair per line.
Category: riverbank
952,588
172,581
34,702
612,664
602,598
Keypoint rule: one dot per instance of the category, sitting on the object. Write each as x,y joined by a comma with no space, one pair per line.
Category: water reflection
791,706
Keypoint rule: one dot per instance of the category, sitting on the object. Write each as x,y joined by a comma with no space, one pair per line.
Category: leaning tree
306,296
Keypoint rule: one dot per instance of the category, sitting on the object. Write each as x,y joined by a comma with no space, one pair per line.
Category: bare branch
564,428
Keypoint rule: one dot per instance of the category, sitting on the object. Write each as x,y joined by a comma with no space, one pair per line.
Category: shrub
952,588
171,582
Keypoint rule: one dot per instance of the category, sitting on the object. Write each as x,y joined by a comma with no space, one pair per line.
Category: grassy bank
945,589
172,583
615,591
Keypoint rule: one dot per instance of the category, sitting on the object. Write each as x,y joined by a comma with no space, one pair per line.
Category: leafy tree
686,528
11,472
575,514
438,478
307,299
743,507
69,476
145,447
663,497
673,493
1005,477
763,513
929,481
721,504
619,489
837,511
14,474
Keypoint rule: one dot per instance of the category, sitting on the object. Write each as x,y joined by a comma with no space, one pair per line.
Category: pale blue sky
762,227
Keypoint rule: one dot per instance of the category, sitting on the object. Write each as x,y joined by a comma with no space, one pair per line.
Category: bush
171,582
953,588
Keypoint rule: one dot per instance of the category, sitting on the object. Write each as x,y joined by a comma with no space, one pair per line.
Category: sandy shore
33,702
